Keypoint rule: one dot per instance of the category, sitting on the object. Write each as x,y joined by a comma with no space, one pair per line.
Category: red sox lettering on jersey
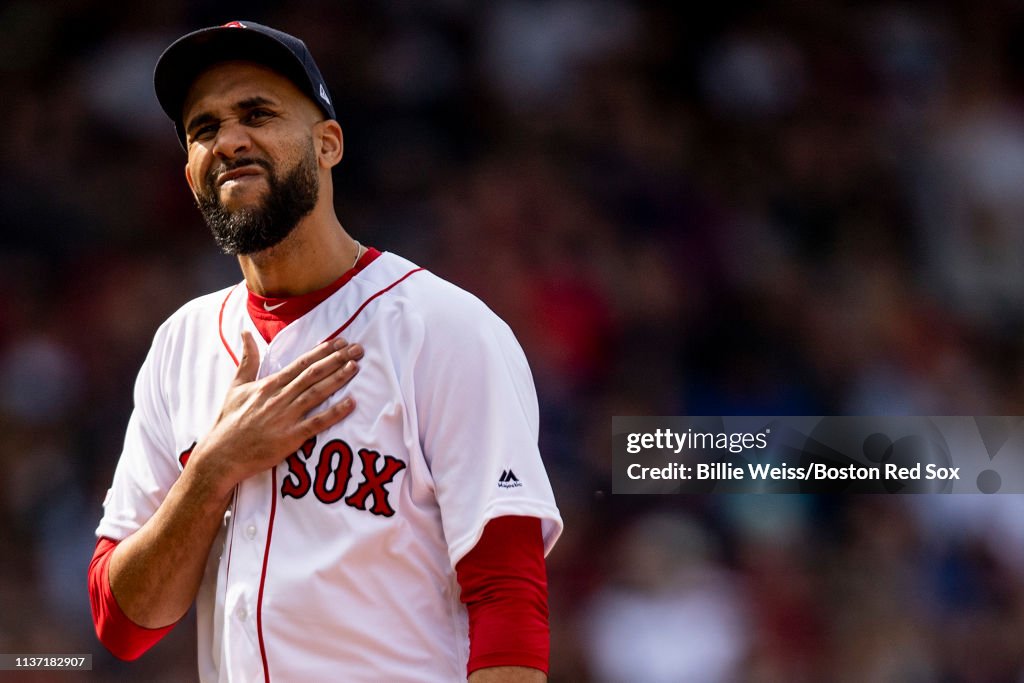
345,550
333,471
332,475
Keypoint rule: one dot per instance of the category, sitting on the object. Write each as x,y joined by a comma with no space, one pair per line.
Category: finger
328,370
320,390
314,424
249,364
352,350
355,351
286,375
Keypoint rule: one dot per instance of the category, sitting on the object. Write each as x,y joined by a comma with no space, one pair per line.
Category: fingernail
339,343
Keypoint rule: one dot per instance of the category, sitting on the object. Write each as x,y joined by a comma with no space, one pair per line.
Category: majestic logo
508,480
333,472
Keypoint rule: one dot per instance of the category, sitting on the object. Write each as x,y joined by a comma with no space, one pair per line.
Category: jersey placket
250,530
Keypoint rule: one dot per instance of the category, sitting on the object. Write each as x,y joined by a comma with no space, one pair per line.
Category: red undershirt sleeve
504,588
124,638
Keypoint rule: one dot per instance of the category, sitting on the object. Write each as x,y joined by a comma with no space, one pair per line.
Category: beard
256,228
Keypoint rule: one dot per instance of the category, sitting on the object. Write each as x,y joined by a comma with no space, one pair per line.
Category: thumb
249,363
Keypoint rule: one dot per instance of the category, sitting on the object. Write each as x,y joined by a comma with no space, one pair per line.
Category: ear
330,143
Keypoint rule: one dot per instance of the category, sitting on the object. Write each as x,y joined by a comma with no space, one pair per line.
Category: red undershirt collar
273,314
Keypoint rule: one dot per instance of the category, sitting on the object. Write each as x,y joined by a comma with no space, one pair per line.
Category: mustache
211,175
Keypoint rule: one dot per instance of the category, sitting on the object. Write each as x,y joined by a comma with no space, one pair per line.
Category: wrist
208,477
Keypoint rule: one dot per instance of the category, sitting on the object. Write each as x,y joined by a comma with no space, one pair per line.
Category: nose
232,140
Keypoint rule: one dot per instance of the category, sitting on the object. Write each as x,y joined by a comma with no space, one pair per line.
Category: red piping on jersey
332,335
359,310
273,490
263,575
231,534
284,311
220,325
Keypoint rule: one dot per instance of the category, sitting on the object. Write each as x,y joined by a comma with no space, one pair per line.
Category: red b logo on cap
234,24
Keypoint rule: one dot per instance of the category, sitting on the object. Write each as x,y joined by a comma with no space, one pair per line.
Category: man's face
252,165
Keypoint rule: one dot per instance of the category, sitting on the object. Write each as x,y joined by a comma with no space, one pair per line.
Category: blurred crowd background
782,208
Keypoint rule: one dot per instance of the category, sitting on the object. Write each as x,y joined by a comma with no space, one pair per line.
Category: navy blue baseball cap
190,55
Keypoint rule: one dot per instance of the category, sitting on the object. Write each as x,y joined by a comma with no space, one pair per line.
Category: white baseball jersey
337,564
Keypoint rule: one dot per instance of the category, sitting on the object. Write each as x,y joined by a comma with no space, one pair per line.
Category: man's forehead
228,83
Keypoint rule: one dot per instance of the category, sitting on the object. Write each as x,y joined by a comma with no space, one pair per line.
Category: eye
205,132
257,116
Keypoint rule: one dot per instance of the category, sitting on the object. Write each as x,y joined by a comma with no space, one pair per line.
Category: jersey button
241,613
250,531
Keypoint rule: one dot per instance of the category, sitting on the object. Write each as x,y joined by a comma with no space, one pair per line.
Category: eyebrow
206,117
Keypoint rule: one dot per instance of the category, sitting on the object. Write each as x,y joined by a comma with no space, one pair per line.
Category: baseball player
336,458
